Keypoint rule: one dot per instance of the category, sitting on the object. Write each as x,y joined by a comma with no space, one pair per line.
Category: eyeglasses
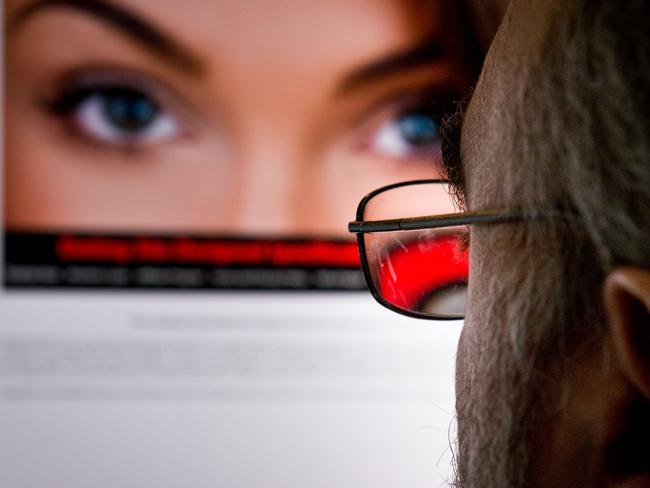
418,266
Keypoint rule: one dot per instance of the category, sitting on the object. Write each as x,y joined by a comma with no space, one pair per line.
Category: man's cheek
464,365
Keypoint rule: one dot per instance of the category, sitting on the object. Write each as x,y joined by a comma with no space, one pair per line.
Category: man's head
553,375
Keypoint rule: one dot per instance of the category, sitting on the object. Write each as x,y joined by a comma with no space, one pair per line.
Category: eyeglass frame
361,227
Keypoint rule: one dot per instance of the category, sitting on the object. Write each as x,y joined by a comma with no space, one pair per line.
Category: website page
181,302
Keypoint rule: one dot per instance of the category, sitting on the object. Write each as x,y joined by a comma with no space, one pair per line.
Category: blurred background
181,302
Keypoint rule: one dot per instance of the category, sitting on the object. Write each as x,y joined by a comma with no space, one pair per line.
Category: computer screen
181,303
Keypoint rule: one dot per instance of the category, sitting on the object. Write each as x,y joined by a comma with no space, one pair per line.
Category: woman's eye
118,115
412,133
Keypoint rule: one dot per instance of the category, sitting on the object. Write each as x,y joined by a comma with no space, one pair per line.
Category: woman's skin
257,117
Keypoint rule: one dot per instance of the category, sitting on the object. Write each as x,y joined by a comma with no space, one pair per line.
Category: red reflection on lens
413,271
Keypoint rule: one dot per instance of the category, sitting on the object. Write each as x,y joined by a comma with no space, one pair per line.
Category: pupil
418,129
129,110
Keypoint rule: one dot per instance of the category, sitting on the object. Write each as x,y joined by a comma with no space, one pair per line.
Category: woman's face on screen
257,117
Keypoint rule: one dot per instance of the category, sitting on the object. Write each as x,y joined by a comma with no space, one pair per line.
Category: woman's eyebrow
161,44
429,51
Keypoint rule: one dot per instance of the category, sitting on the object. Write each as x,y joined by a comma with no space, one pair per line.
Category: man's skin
582,442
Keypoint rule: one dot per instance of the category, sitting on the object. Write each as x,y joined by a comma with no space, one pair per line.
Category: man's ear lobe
627,305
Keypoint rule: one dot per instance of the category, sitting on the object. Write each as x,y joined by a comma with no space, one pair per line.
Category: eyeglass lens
422,272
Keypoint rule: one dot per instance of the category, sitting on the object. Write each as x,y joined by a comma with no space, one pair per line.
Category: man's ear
627,305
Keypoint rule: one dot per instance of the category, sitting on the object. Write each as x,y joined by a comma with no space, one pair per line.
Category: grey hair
579,121
591,90
581,126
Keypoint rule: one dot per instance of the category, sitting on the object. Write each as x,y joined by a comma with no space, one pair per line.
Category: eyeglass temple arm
436,221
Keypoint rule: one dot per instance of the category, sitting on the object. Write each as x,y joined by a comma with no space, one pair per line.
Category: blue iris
418,128
128,109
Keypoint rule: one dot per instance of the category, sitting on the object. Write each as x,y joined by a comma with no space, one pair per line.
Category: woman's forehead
333,35
332,32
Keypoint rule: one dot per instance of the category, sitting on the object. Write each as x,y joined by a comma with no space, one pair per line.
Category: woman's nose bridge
271,186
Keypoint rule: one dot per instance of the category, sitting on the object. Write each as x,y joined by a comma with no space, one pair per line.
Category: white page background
318,390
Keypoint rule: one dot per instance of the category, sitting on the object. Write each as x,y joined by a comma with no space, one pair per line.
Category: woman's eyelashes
117,110
116,114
